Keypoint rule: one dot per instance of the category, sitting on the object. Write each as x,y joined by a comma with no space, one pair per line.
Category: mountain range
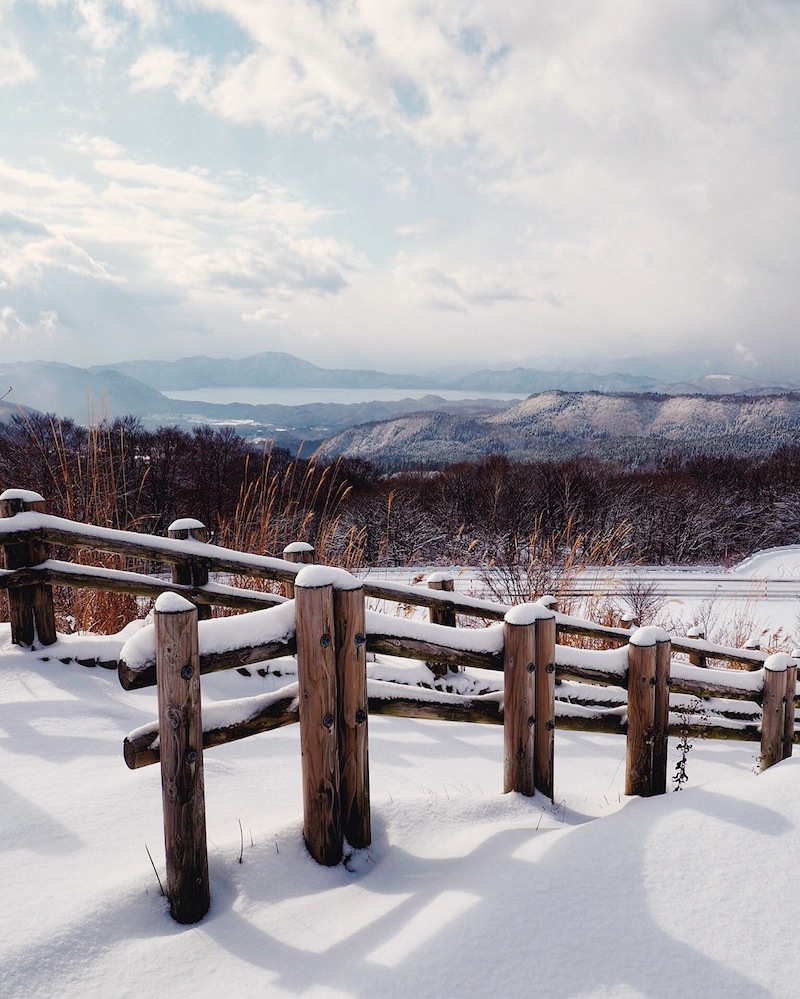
567,413
639,428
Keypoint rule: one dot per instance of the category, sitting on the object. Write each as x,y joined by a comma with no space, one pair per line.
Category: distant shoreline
269,396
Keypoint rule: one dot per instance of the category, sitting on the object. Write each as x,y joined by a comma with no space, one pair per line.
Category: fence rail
545,685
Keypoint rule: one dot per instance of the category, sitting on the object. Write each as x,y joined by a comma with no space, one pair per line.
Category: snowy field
464,892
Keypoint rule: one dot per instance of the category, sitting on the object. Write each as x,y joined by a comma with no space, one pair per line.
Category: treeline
686,510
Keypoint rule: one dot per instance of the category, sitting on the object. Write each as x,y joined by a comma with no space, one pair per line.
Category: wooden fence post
195,574
545,677
300,552
791,694
648,712
318,708
774,708
529,639
349,612
181,743
30,608
697,658
443,614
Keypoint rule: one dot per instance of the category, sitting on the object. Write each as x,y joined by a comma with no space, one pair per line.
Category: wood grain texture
545,714
773,717
195,574
303,557
181,745
442,614
788,720
351,674
641,719
658,781
316,677
30,609
519,708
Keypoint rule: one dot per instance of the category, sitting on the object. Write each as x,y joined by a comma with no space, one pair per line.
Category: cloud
458,291
265,315
16,332
745,354
600,177
15,67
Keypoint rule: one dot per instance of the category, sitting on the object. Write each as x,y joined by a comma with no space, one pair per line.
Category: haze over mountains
570,412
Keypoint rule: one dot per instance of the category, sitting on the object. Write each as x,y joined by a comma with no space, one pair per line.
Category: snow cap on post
25,495
524,614
297,548
173,603
186,524
644,637
779,662
312,577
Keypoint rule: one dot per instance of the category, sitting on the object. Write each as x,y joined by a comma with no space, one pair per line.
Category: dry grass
301,502
88,484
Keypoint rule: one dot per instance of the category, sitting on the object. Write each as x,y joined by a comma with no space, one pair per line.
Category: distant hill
554,425
9,410
272,369
78,393
267,370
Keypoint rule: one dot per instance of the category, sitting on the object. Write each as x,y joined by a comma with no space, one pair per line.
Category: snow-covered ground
464,891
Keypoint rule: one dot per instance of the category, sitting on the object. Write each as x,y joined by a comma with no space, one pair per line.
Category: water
303,396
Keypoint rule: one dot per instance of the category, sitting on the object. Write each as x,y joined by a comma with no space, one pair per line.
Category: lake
346,396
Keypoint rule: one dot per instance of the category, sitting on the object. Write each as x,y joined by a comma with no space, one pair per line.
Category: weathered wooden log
788,720
300,553
481,710
142,748
647,724
135,677
526,651
316,675
30,610
351,677
544,682
442,614
138,584
697,658
414,648
661,717
774,708
181,744
712,688
195,574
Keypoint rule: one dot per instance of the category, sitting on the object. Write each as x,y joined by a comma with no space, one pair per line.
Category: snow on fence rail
326,625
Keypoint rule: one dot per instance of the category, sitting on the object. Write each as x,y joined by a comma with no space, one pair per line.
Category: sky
400,184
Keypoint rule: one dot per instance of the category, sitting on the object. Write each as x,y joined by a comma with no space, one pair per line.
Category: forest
683,510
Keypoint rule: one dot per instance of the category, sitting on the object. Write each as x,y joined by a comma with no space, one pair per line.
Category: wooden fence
327,626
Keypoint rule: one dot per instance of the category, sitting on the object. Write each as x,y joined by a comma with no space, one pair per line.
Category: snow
439,577
488,639
779,662
273,624
525,614
464,891
311,577
173,603
25,495
186,524
649,636
298,548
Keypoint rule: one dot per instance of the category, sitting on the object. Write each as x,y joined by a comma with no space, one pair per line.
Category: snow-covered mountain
560,424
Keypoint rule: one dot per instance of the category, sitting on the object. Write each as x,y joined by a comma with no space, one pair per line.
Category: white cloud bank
379,177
